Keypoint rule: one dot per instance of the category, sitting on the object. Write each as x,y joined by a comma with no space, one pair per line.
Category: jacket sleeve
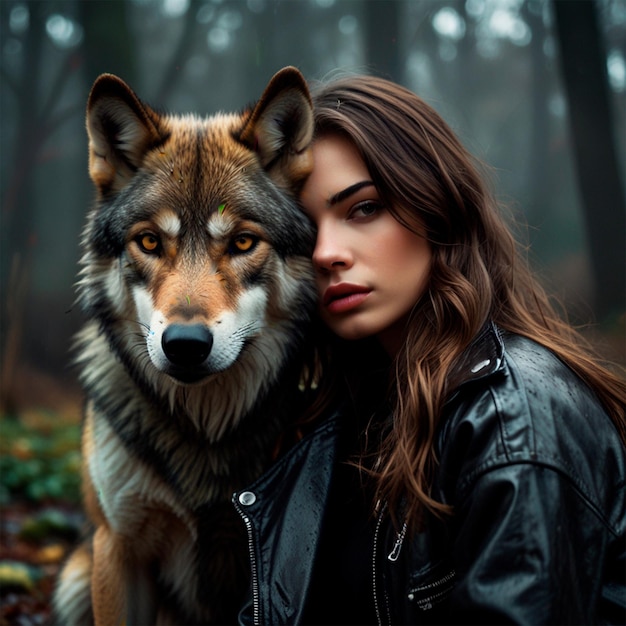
535,471
529,549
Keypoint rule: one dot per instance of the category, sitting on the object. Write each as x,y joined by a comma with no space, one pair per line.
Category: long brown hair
426,178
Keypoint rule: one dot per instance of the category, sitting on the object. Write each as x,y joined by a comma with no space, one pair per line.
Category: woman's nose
330,252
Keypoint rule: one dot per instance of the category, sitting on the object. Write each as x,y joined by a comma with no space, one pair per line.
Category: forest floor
29,564
40,512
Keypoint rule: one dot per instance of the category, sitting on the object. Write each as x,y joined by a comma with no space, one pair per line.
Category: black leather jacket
536,473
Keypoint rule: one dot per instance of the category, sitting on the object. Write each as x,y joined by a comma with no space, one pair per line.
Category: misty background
535,88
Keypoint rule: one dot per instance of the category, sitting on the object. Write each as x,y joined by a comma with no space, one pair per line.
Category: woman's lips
344,297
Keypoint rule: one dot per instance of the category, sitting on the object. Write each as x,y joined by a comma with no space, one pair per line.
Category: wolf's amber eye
243,243
149,242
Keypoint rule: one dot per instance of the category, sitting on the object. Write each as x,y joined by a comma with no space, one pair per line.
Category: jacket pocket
433,589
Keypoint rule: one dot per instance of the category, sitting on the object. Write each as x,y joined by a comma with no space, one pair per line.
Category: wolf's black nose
187,344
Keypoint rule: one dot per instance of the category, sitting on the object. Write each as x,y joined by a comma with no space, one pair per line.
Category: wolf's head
196,256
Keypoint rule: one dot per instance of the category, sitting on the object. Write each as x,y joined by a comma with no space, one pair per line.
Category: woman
476,471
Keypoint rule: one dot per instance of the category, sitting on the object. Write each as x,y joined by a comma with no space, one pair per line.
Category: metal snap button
480,366
247,498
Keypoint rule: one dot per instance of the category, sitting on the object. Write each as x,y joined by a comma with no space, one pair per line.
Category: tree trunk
382,30
583,63
109,44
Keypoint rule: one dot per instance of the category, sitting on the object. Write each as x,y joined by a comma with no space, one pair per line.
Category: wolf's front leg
108,581
122,588
142,598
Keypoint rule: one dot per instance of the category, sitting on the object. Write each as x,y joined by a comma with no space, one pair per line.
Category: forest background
535,88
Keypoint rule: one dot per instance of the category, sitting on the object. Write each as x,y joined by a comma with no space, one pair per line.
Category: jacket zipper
253,567
427,603
377,608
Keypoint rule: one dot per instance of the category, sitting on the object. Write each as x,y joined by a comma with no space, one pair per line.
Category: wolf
197,287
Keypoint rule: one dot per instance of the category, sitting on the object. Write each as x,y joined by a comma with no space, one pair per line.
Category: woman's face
370,269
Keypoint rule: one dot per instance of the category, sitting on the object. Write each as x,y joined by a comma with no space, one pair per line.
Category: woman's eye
367,208
149,243
243,243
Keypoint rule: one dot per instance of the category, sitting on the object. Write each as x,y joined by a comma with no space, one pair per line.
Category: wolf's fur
196,280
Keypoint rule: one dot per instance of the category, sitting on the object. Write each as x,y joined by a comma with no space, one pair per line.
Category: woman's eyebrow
348,191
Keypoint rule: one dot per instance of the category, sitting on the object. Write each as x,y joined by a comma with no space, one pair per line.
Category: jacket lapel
283,511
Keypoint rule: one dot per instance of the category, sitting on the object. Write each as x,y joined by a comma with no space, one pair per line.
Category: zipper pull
395,553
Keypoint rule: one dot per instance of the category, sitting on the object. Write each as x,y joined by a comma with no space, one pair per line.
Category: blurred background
535,88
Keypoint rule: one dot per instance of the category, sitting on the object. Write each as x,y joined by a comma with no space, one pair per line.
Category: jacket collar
482,358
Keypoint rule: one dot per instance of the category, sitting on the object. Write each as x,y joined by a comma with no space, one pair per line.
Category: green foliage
49,523
18,576
39,459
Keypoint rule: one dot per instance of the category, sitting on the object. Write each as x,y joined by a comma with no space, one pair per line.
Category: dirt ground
31,552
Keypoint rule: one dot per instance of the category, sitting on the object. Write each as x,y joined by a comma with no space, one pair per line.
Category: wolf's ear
121,130
280,129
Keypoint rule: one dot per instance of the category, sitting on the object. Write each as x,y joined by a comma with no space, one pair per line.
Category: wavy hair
427,179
